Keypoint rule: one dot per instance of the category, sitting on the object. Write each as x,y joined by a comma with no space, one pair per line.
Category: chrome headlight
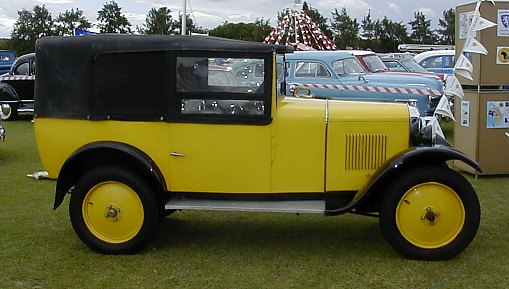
426,131
414,112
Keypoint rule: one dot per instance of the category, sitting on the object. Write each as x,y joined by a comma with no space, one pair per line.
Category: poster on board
502,55
465,113
503,23
497,114
465,20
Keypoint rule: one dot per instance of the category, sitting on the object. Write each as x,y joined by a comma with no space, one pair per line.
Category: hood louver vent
365,151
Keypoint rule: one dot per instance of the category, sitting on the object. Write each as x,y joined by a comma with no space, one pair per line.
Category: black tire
430,213
9,111
114,211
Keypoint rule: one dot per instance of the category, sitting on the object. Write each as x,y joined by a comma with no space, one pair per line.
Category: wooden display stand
482,118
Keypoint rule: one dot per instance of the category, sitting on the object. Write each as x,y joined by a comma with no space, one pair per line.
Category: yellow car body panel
290,155
284,156
299,146
357,146
58,139
219,158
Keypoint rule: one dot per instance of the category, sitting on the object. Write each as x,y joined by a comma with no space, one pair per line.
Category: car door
314,75
222,139
351,75
23,79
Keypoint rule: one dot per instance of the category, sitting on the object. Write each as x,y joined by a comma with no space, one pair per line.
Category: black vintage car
17,88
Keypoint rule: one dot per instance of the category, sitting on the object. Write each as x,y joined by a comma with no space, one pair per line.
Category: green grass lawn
39,249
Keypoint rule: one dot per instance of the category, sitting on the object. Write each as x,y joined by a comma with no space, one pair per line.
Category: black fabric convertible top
110,43
129,77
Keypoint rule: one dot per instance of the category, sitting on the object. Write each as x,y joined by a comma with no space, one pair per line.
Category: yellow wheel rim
113,212
430,215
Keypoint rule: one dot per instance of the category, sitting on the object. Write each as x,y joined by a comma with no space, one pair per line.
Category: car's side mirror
302,92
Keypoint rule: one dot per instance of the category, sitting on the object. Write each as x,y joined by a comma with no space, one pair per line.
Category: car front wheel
430,213
114,211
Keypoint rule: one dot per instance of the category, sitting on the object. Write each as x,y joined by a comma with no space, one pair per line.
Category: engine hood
356,111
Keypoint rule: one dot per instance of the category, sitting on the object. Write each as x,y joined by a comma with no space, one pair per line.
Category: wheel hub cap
430,216
112,212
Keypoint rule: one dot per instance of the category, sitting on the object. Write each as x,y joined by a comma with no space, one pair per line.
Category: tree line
381,35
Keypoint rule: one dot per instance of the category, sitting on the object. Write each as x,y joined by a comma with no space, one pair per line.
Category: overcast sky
211,13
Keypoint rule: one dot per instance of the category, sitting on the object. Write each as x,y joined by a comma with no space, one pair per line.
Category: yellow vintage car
135,128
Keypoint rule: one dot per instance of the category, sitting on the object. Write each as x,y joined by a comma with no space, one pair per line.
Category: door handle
176,154
507,133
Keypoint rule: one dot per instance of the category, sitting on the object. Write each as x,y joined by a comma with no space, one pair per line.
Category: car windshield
374,63
347,66
412,65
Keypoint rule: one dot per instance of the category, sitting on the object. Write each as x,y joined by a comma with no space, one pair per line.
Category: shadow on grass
271,233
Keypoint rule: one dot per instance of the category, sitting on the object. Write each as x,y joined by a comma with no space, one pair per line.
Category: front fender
416,156
104,153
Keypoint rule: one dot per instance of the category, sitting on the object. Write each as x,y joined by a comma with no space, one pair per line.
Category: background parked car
437,61
339,75
407,65
7,58
17,87
369,60
373,62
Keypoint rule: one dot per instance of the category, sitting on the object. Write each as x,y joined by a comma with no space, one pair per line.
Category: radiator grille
365,151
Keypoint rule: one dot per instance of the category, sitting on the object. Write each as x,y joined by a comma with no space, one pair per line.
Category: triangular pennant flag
479,23
474,46
435,125
443,108
465,73
492,2
464,64
453,86
477,10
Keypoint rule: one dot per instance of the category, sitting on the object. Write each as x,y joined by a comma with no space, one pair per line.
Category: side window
32,67
394,66
22,69
449,61
347,66
221,86
311,69
432,62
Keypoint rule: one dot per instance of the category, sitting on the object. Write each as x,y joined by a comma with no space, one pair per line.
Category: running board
25,110
305,207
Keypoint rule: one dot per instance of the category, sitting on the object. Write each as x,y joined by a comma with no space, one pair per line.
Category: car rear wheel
430,213
9,111
114,211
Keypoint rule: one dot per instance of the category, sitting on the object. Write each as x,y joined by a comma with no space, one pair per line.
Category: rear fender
8,94
105,153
